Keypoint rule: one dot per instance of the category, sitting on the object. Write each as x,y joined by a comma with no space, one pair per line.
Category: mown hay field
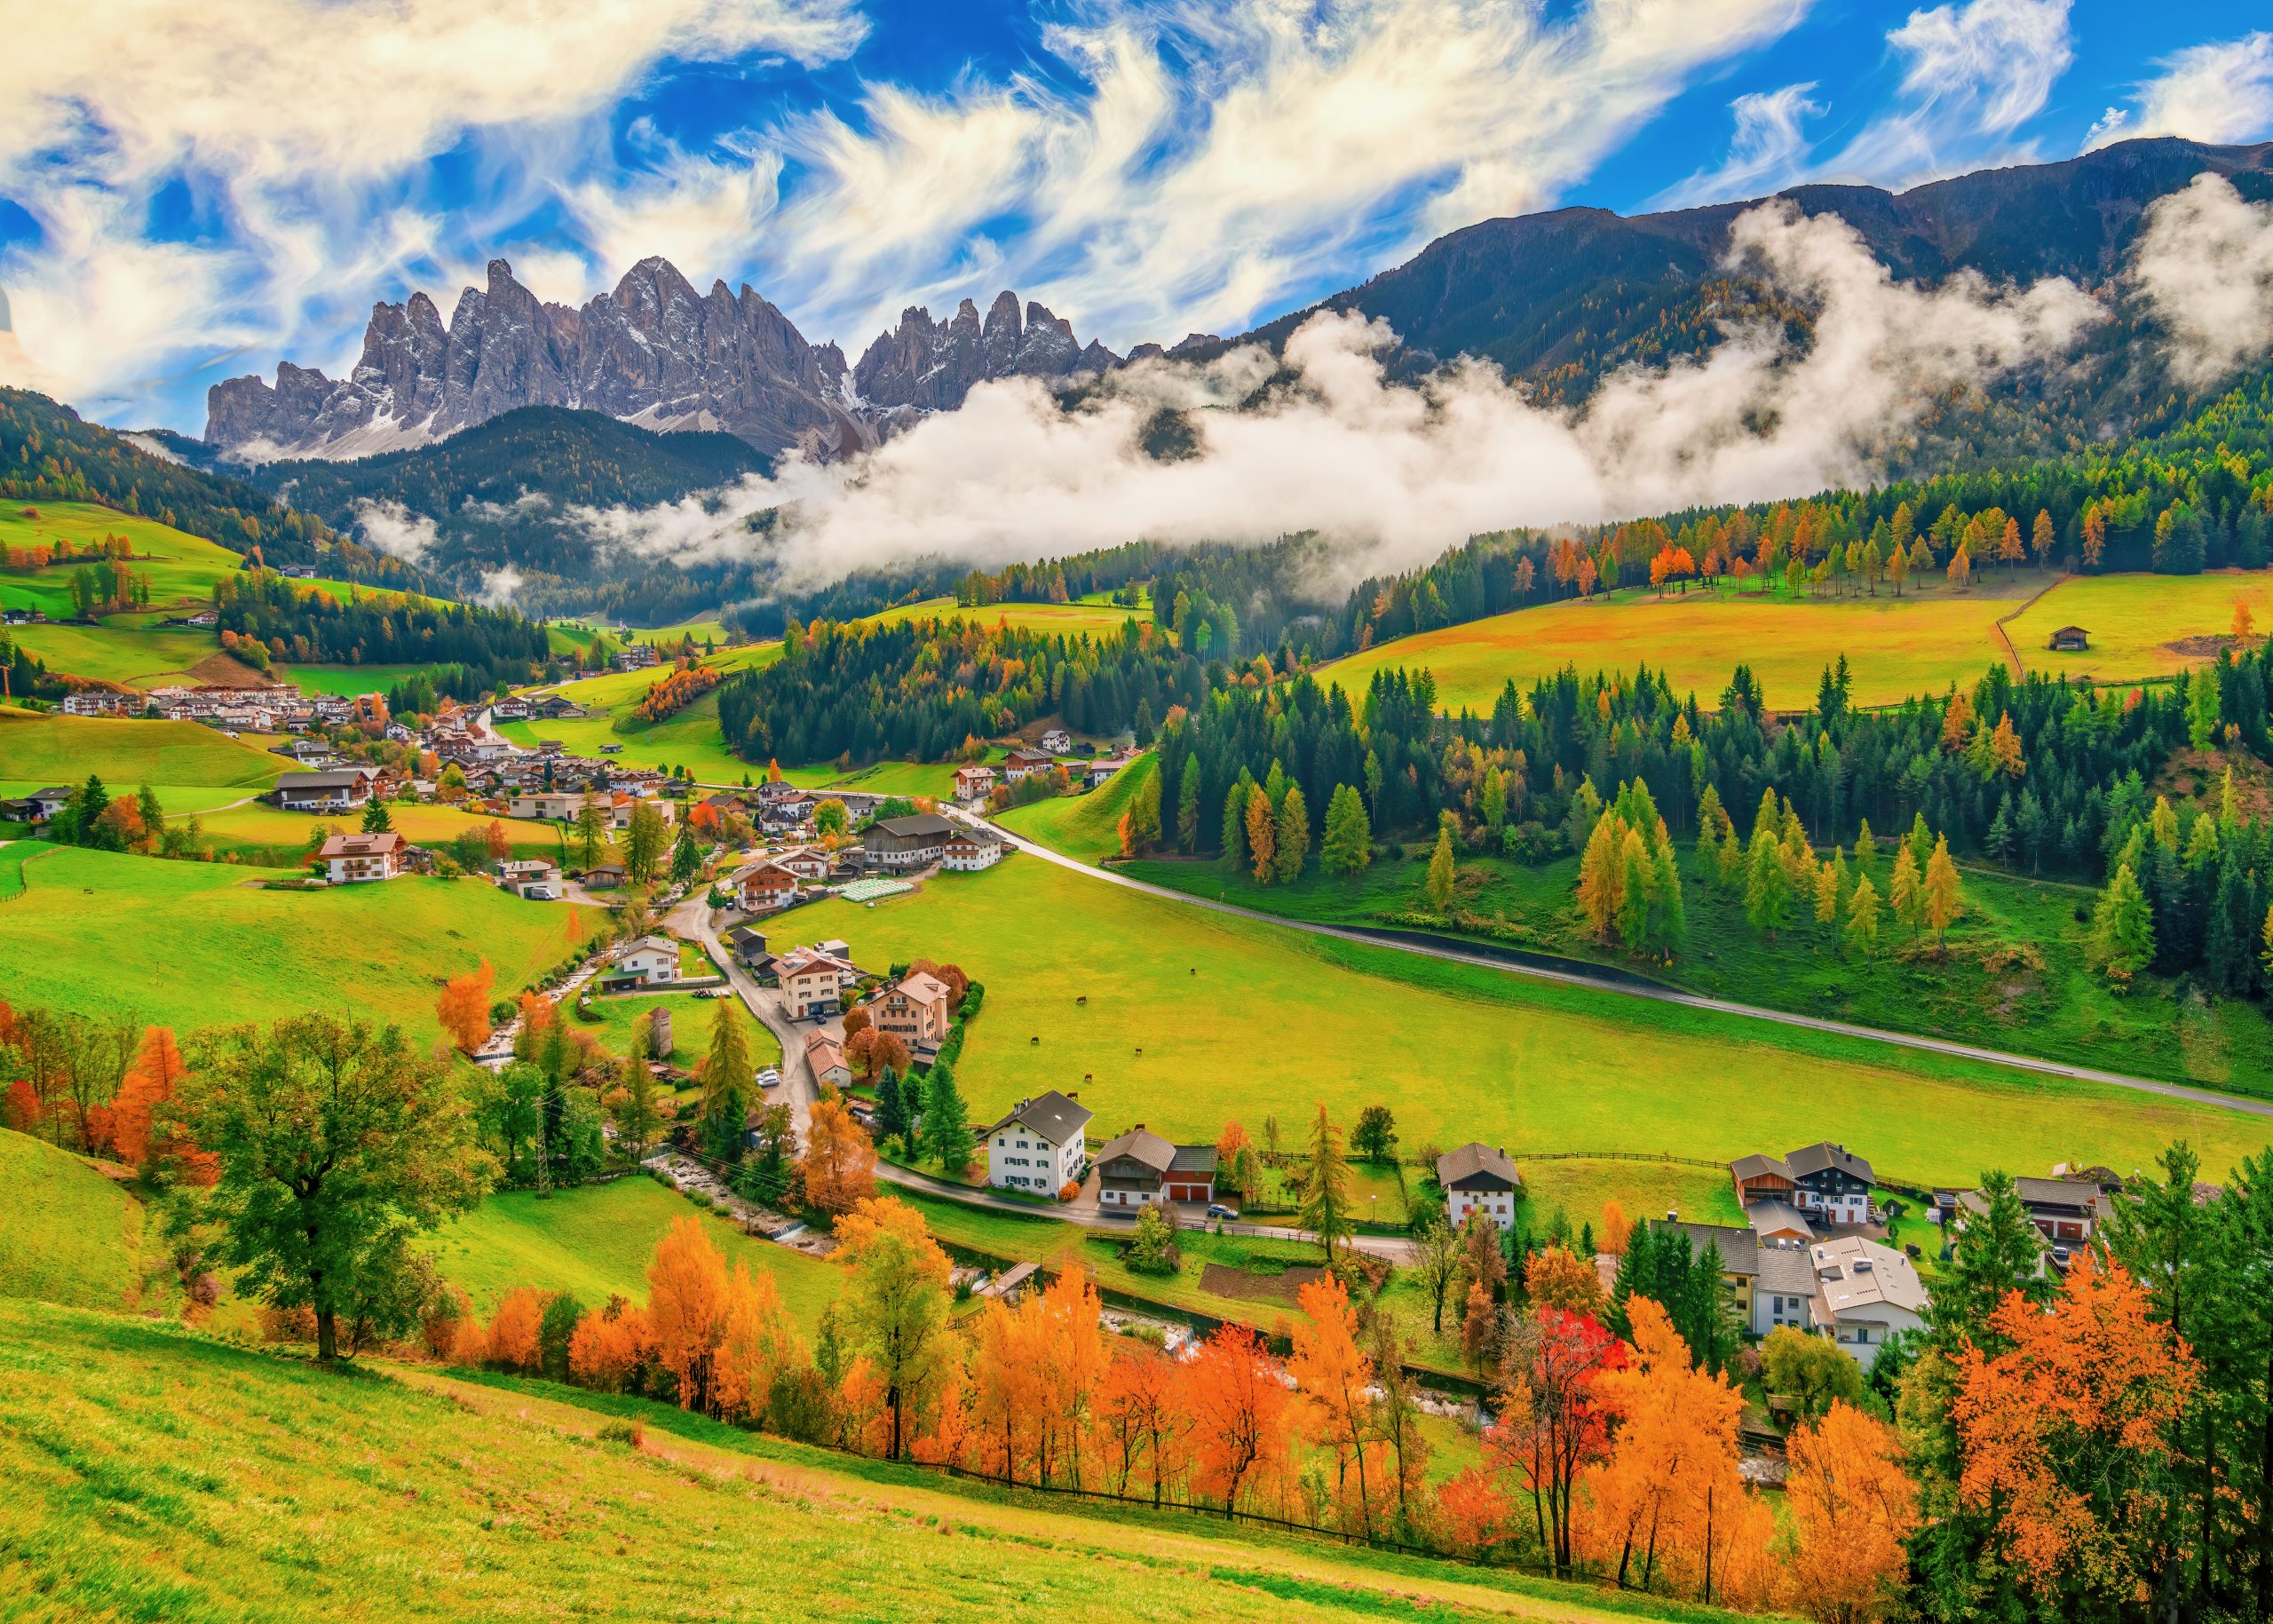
1919,643
2135,621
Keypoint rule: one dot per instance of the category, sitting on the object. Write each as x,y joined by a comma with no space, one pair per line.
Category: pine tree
1494,804
2122,940
1827,889
376,821
1922,840
1601,878
1863,918
1944,899
1866,848
1441,871
947,1120
1348,833
1667,912
1262,834
1637,877
1187,813
891,1106
1768,886
1293,833
1905,896
1234,834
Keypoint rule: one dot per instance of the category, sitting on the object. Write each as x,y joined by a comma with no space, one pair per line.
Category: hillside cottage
1857,1292
338,790
967,851
604,876
915,1010
99,702
908,843
1025,764
351,859
1478,1178
1057,742
2071,640
973,782
533,879
1140,1168
652,961
1040,1148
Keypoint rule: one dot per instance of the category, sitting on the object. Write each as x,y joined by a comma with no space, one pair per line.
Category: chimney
1673,1214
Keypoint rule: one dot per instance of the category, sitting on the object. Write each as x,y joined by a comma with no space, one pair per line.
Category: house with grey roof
1479,1179
1040,1146
1140,1168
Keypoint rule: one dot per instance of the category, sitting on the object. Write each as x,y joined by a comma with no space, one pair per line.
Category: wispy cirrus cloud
1769,147
2220,92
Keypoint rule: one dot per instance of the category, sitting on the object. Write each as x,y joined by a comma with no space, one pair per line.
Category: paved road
798,1090
1455,954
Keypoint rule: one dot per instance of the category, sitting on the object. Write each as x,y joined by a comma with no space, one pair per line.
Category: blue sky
223,187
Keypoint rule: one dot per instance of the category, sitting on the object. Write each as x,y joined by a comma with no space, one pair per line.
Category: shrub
1152,1248
630,1434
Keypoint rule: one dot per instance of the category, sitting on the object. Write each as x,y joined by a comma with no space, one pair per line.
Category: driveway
692,920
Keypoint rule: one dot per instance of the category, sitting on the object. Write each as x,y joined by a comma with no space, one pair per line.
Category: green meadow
193,945
1192,1018
594,1241
58,750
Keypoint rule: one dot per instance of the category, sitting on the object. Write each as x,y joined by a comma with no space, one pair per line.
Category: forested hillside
48,453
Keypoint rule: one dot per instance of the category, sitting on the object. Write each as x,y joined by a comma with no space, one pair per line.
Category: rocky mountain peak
932,366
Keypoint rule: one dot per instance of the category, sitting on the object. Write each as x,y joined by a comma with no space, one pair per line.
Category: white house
351,859
1478,1178
1140,1168
1040,1146
652,959
1057,742
533,879
548,803
1857,1292
967,851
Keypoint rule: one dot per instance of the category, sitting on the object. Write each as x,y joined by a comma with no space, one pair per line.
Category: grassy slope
156,1474
147,659
1067,619
2061,1010
598,1240
190,945
279,835
1920,642
71,1236
2131,618
691,1020
689,738
60,749
1274,1024
1084,826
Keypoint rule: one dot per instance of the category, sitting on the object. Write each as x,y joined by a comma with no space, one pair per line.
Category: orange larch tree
1141,1425
2066,1439
1240,1419
141,1133
840,1161
687,1309
1334,1379
1852,1507
464,1007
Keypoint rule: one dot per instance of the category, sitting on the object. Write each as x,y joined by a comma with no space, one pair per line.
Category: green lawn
596,1240
690,739
156,1474
182,568
2017,976
71,1236
178,800
691,1022
57,749
348,679
1237,1018
194,945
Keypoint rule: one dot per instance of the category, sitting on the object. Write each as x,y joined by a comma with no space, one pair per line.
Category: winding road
1635,987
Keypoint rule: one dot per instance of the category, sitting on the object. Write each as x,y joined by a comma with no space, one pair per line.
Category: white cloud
1973,72
1393,473
500,588
2220,93
1216,156
393,529
699,212
2205,265
296,123
1766,152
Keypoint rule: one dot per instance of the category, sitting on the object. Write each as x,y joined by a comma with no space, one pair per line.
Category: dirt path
2012,655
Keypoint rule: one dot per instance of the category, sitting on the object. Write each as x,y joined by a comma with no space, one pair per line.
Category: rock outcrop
932,366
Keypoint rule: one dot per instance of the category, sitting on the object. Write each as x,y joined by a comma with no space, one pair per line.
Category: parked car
707,992
1216,1209
768,1077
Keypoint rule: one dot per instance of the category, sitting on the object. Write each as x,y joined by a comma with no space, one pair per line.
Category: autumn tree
1852,1507
1333,1379
895,1305
840,1165
1239,1416
140,1134
337,1145
1262,835
1558,1279
1943,903
464,1007
1437,1263
728,1076
1811,1372
1144,1423
1552,1424
686,1311
1441,871
2067,1441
